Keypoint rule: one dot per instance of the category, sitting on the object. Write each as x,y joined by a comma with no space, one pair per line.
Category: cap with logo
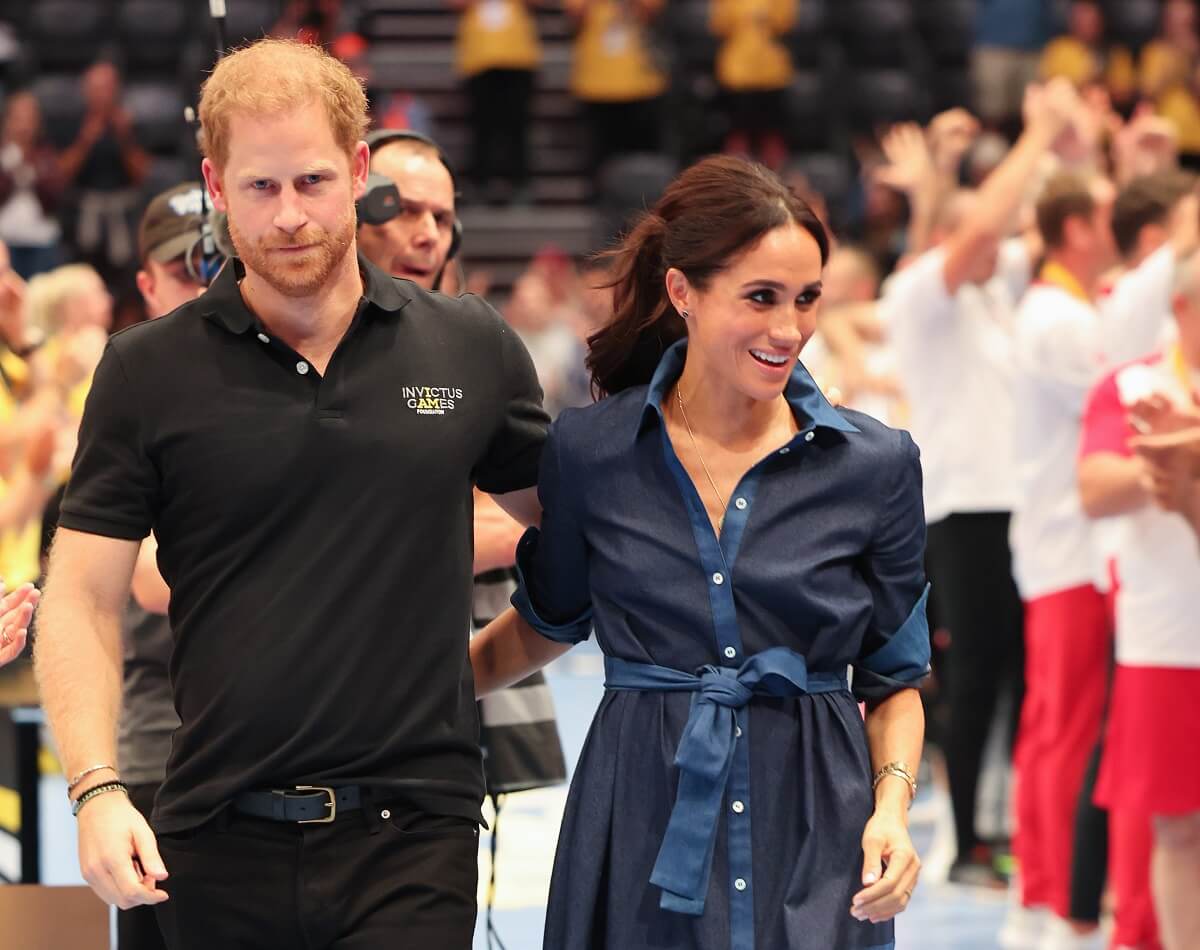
172,223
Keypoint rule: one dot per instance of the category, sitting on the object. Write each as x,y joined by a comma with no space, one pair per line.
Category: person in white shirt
1057,356
949,316
1155,222
1149,768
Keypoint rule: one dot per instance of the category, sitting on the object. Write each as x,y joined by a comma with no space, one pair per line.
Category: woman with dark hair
738,544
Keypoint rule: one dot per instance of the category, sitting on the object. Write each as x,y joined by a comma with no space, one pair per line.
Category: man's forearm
77,661
1111,484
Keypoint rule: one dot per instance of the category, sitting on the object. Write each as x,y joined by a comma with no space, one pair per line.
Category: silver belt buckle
331,804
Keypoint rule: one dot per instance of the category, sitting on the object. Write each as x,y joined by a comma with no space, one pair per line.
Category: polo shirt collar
223,304
809,405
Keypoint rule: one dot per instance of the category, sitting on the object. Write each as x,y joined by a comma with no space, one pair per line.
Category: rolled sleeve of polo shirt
511,463
114,487
553,595
895,650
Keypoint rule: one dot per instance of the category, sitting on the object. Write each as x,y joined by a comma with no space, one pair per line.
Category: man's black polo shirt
316,534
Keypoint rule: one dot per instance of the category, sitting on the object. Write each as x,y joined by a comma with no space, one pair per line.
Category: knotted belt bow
705,753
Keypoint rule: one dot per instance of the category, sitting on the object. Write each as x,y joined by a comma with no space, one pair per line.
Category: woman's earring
684,314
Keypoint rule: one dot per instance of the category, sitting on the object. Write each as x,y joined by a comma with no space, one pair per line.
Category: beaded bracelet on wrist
96,792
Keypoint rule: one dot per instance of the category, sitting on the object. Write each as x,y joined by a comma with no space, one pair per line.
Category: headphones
381,201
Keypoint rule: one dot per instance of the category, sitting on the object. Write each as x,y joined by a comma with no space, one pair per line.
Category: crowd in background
972,203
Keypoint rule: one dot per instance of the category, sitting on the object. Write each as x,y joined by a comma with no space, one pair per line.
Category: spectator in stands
543,312
30,188
1167,72
754,69
498,57
74,311
1083,56
1009,36
849,351
106,164
615,73
390,108
310,21
31,428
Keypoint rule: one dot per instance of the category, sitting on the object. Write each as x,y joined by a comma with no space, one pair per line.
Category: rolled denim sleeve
895,649
553,595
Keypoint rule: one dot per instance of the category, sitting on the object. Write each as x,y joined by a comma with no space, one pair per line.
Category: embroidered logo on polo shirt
431,400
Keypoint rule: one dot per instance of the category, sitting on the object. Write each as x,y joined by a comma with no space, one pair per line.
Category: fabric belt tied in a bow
705,753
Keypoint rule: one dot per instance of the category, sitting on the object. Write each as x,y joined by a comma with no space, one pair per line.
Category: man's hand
909,163
951,134
496,535
118,854
1157,448
1160,415
16,610
1146,144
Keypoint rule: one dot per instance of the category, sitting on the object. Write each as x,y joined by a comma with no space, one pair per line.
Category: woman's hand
16,611
886,844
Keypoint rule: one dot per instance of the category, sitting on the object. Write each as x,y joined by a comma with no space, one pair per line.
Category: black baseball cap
171,223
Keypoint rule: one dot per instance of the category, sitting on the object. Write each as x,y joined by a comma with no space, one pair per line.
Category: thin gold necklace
700,456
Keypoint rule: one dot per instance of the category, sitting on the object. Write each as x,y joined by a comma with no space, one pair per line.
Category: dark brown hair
712,212
1147,199
1066,195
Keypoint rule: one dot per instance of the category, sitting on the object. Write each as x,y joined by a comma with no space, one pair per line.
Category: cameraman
413,187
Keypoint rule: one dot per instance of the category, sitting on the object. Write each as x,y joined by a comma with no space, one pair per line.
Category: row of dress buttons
301,367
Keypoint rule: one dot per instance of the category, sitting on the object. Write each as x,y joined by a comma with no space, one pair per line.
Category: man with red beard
303,440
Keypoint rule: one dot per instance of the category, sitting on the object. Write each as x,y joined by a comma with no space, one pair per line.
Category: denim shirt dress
720,798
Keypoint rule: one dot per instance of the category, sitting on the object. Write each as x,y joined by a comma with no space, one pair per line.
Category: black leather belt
304,804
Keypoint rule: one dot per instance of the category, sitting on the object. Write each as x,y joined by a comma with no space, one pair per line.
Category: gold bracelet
900,770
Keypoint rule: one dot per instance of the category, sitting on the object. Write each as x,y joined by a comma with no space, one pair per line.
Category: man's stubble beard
296,279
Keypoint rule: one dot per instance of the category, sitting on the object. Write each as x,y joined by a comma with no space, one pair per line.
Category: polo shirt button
385,814
737,731
809,436
264,338
730,653
302,367
740,504
784,450
738,808
740,884
718,578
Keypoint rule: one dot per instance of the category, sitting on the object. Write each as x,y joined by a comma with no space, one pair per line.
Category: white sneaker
1059,935
1023,927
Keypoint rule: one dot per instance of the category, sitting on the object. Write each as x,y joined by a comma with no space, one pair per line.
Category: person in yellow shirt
1167,73
1082,56
615,72
30,422
754,68
74,311
498,55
